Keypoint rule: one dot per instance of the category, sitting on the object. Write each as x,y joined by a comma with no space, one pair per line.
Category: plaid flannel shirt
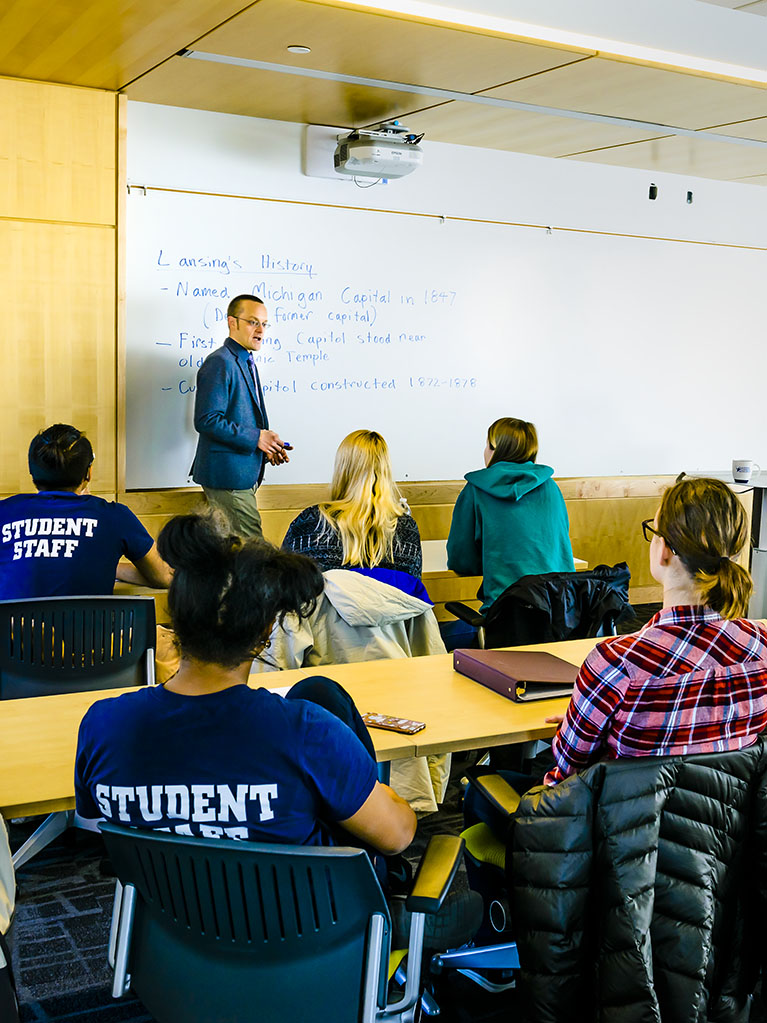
690,681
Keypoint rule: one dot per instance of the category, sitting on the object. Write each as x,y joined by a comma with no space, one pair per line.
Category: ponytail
706,526
727,589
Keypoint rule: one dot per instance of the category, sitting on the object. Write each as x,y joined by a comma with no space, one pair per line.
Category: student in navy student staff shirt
205,754
64,541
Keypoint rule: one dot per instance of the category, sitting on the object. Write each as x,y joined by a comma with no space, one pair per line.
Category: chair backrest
559,605
243,931
75,644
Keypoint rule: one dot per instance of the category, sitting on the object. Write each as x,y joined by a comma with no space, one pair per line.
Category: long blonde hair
365,503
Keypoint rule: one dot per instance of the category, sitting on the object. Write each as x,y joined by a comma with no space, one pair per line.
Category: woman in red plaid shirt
694,679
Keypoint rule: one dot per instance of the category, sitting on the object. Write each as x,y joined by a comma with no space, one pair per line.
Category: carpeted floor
60,934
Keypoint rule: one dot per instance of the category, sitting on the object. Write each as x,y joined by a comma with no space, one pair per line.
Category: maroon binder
518,675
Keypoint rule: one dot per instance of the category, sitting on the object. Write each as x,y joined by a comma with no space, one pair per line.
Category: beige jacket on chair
361,619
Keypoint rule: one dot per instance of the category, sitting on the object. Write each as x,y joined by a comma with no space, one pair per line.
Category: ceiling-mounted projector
387,151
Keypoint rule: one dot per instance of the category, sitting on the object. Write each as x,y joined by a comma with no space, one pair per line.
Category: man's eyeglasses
264,324
649,531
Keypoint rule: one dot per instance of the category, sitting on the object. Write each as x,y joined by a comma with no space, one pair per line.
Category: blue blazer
229,415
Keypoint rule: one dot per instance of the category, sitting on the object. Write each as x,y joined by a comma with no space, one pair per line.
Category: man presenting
230,417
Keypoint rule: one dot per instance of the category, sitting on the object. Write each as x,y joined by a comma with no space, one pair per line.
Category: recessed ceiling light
299,49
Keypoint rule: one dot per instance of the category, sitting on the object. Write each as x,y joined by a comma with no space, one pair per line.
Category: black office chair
58,645
230,931
551,607
51,645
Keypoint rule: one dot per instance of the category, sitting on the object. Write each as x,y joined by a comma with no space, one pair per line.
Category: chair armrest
497,791
465,613
435,874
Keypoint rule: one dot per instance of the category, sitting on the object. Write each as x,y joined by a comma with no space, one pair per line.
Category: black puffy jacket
639,888
558,605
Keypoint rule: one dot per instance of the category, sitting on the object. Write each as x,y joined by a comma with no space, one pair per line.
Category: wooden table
39,736
459,714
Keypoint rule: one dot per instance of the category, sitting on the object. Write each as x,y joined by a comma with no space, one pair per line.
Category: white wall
213,152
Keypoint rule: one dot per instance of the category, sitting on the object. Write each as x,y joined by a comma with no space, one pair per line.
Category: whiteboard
631,355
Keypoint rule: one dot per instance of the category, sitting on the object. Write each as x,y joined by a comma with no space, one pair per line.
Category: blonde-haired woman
694,679
366,523
366,529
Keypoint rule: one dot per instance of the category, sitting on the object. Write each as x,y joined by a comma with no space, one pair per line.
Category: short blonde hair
706,526
365,503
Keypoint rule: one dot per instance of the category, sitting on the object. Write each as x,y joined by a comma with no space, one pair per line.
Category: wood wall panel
57,153
57,272
605,518
604,532
58,355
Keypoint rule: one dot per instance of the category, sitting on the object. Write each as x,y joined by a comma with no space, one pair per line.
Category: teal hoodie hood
510,480
509,520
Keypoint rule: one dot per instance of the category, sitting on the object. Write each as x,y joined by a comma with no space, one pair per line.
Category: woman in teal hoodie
510,519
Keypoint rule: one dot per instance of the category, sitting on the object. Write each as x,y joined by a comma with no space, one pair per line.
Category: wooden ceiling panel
100,43
517,130
184,82
753,179
684,155
372,45
621,89
754,129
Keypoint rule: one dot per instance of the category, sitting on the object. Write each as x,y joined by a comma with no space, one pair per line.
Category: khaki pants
240,509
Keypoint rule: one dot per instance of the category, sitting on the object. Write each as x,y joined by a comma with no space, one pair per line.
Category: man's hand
273,447
279,458
555,719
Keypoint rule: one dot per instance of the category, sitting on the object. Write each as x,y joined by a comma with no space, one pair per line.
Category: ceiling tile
185,82
100,43
621,89
754,179
378,46
723,3
517,131
753,129
683,155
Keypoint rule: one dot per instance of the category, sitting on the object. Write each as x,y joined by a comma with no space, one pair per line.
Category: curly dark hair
226,592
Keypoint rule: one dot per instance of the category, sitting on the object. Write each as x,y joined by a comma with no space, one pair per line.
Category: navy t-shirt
241,763
60,544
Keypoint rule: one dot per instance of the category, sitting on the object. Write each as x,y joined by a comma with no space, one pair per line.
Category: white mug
743,469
